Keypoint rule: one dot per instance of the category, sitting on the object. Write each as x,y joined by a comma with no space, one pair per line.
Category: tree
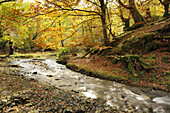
96,8
14,28
137,17
124,18
165,3
1,32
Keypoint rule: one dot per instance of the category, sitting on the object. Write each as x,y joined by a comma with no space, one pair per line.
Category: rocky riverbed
41,85
22,95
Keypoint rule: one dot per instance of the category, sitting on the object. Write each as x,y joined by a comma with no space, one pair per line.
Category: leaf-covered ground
157,78
153,50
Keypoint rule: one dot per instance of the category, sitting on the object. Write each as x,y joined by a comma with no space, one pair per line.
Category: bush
63,51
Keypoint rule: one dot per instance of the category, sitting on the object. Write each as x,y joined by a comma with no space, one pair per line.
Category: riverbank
101,67
20,94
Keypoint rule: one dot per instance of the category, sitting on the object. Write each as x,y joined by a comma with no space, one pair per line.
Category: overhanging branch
6,1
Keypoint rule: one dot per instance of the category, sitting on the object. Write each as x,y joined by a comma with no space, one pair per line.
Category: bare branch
82,15
125,6
6,1
81,10
78,28
52,22
94,3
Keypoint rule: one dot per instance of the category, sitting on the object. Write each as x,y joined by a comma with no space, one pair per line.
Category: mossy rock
137,42
132,62
166,59
151,46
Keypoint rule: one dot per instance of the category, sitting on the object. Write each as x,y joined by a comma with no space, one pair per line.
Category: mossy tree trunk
103,18
11,48
137,17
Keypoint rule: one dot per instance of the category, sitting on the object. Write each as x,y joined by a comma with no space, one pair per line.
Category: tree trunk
62,43
166,13
137,17
165,3
103,18
126,21
11,49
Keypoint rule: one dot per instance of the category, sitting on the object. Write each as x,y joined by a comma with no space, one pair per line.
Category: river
117,95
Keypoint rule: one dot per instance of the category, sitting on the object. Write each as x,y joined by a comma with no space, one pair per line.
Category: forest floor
157,79
19,94
157,76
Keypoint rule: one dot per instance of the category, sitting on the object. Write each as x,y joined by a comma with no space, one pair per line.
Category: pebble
48,109
28,104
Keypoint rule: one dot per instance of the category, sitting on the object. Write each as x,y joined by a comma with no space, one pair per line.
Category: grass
32,55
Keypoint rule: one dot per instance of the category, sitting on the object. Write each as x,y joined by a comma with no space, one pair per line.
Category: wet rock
34,111
13,104
34,73
8,103
57,79
48,109
1,106
10,110
4,101
17,66
28,104
16,100
16,95
50,75
32,79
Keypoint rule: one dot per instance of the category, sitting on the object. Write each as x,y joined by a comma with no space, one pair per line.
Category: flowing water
117,95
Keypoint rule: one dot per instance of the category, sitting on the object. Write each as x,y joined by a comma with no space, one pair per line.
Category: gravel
19,94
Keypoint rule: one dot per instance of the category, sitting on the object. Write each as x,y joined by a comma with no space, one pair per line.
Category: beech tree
137,17
3,1
165,3
98,8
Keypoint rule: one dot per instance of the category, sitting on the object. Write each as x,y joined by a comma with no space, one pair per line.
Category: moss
138,43
151,46
132,63
91,73
167,74
165,59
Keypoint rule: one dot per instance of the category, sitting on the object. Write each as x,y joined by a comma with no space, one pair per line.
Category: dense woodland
120,49
73,24
124,40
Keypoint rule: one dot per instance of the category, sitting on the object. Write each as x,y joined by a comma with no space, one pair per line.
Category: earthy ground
157,78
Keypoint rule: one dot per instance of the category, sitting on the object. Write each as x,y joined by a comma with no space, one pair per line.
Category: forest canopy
51,24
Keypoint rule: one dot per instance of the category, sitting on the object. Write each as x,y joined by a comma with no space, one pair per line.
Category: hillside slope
139,57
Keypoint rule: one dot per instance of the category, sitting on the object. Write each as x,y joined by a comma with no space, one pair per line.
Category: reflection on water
115,94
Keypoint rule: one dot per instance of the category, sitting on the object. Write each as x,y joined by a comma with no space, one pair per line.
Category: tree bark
137,17
166,7
11,48
103,18
166,13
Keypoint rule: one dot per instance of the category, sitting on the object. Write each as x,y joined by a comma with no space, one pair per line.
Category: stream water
117,95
